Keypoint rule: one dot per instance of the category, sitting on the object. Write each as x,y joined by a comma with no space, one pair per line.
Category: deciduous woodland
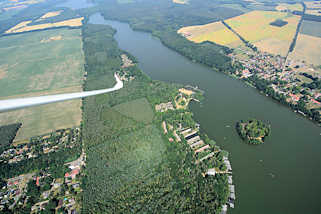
131,165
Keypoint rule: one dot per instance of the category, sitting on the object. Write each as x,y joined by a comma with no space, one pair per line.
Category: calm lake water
283,175
76,4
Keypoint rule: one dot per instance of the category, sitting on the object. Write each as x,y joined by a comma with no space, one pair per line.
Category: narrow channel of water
283,175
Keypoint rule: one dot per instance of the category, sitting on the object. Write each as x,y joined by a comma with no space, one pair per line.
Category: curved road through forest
14,104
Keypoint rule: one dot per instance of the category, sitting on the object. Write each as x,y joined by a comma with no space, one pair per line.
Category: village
292,79
51,189
40,145
206,152
124,73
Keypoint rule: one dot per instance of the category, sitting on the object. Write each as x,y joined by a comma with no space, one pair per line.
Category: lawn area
42,63
46,118
140,110
215,32
32,62
255,27
307,48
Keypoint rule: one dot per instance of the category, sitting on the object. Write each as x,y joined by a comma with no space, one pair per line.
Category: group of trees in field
253,131
7,135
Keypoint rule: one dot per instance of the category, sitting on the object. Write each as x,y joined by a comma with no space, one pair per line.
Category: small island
253,131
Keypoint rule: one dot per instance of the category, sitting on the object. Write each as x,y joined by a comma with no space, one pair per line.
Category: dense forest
131,166
7,135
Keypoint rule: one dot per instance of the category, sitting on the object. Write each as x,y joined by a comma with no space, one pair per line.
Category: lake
281,176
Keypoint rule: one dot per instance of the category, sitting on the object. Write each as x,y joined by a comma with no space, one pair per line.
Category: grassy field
255,27
29,67
24,27
311,28
46,118
308,49
140,110
215,32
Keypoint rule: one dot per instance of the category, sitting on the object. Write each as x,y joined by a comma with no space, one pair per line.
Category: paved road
14,104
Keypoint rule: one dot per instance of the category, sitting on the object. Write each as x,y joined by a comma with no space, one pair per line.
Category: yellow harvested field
273,46
307,48
290,7
18,26
23,27
51,14
14,7
214,32
255,27
180,1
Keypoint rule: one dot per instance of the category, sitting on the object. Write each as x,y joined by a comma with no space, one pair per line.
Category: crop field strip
42,72
214,32
307,48
255,27
24,27
313,8
289,7
311,28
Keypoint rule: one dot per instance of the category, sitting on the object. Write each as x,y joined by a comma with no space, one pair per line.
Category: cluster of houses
124,74
14,194
181,101
265,65
284,75
45,144
163,107
13,191
203,152
68,202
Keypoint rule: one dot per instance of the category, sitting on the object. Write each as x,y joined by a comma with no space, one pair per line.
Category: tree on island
253,131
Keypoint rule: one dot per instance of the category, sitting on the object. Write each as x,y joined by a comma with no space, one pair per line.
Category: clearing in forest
35,68
256,28
307,49
24,27
140,110
215,32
